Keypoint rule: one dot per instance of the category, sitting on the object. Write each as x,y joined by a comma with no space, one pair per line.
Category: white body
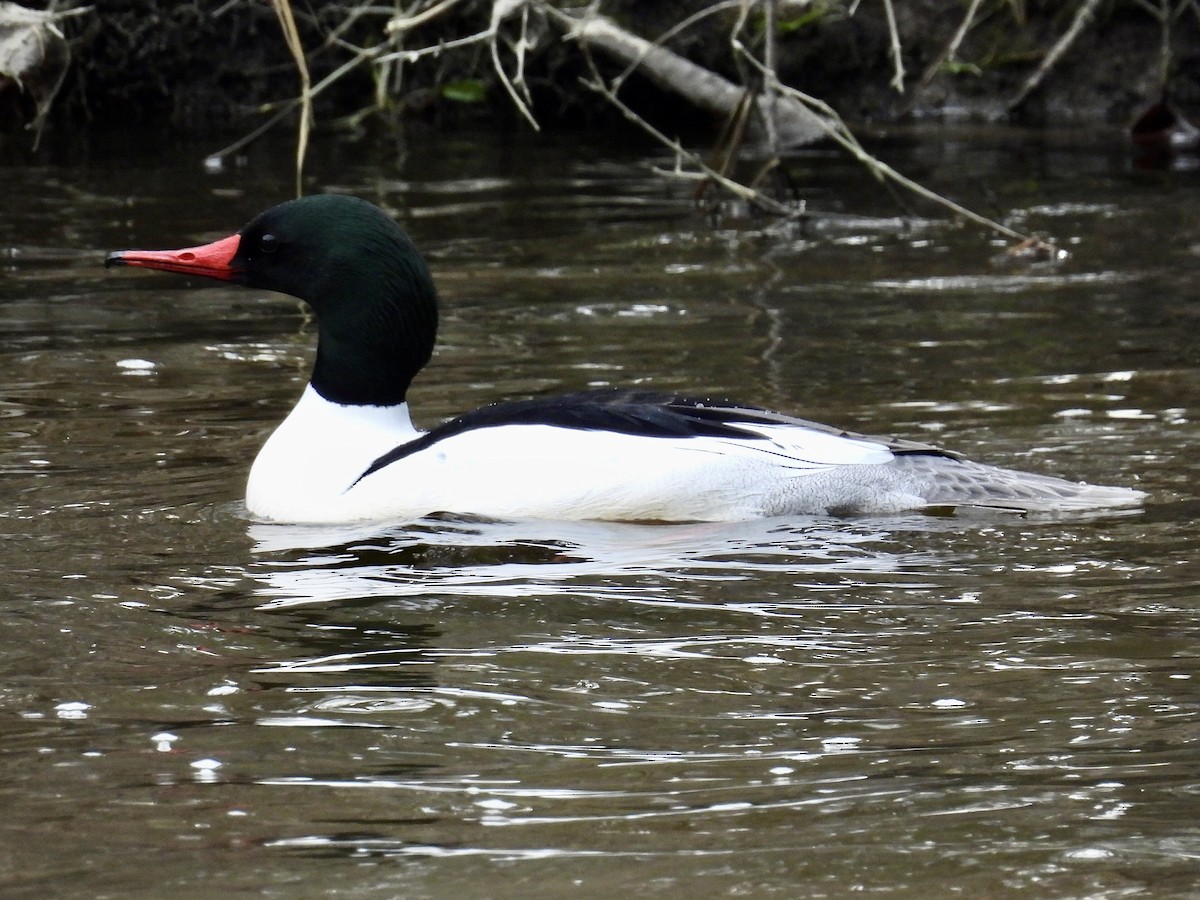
309,472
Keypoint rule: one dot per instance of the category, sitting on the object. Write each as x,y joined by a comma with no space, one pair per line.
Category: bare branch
796,117
501,10
411,56
1086,10
796,123
703,171
897,81
288,107
840,133
951,50
400,24
671,32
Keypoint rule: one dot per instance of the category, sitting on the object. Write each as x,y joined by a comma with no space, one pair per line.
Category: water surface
979,705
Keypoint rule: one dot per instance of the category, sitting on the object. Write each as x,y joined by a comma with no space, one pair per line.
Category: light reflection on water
581,556
985,704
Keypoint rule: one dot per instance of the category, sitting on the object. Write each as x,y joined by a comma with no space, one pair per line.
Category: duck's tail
955,482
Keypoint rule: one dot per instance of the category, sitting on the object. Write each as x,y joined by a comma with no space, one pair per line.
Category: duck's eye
268,243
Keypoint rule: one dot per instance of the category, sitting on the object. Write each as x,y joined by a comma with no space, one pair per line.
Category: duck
348,450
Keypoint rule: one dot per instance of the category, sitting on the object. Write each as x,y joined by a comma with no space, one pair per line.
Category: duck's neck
376,331
371,371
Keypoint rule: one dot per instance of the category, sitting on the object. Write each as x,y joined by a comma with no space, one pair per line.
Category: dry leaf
33,52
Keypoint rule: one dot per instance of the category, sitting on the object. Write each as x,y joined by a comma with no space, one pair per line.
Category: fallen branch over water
764,115
794,122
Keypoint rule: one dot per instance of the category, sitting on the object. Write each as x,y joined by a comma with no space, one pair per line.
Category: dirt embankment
208,67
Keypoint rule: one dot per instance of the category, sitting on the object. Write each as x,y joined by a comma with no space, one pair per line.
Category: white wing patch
796,447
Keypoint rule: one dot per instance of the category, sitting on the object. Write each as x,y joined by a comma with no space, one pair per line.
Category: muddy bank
211,68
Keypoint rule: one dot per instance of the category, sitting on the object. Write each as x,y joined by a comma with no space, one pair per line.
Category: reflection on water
582,558
989,705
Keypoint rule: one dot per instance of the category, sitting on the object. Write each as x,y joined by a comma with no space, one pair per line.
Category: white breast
311,460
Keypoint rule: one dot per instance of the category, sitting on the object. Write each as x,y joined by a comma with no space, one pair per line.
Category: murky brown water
991,706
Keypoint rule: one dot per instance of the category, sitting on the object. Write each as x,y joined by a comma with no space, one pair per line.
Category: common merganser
349,452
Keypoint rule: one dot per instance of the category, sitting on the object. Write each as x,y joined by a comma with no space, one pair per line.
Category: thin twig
769,92
411,56
1086,9
733,132
768,98
377,53
840,134
897,81
753,197
951,50
501,9
283,9
364,56
407,23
